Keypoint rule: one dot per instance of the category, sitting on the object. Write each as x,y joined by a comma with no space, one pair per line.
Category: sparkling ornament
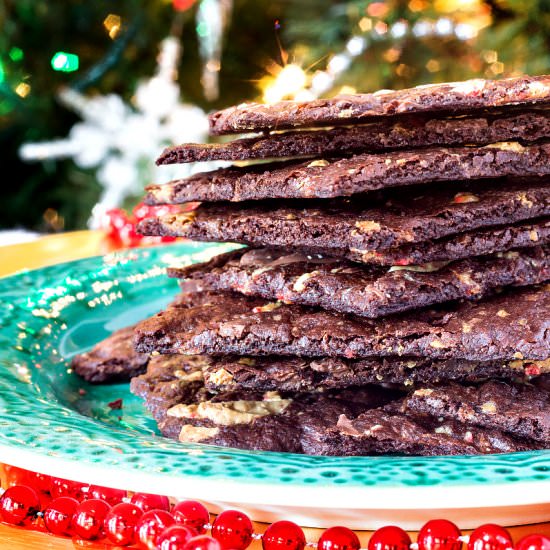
233,530
64,488
490,537
88,518
111,496
174,537
58,515
19,504
283,535
439,534
191,514
338,538
202,542
389,538
120,523
147,502
150,526
533,542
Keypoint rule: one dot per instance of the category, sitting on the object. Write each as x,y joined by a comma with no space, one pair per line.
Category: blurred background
90,92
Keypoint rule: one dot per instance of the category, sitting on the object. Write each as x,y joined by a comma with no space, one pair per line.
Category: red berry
64,488
174,537
120,523
490,537
147,502
533,542
338,538
19,504
150,526
112,496
88,518
191,514
233,530
202,542
283,535
439,534
59,514
389,538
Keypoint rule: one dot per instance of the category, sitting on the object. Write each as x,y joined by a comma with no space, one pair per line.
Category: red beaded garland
112,496
120,523
283,535
19,504
490,537
150,526
233,530
174,537
439,534
59,514
191,514
389,537
202,542
88,518
147,501
533,542
60,487
338,538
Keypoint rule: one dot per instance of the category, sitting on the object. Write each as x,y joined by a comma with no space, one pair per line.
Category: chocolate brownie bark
111,360
369,291
389,431
366,223
519,409
513,325
409,132
359,421
328,178
494,240
451,97
302,374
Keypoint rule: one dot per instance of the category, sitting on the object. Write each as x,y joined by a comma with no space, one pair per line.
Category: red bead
64,488
174,537
533,542
283,535
120,523
41,482
202,542
147,502
59,514
150,526
192,514
88,518
19,504
389,538
490,537
439,534
233,530
112,496
338,538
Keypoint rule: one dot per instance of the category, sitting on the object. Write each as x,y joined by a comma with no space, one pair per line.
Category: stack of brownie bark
391,297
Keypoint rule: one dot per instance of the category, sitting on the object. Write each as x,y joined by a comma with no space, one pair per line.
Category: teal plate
52,421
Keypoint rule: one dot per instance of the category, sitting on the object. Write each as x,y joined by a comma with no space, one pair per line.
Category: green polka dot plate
53,422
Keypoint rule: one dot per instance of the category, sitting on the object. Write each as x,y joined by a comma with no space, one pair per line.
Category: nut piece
368,226
462,198
320,162
196,434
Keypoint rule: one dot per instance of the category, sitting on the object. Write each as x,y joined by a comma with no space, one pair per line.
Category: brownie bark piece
185,410
365,223
369,291
408,132
328,178
494,240
513,325
111,360
389,431
452,97
302,374
519,409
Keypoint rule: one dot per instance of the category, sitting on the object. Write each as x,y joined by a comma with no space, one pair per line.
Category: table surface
72,246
